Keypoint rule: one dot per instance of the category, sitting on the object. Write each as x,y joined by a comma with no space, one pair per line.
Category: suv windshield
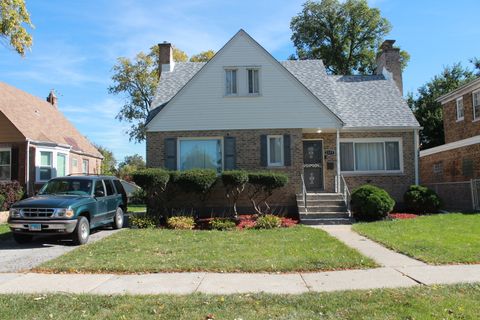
67,186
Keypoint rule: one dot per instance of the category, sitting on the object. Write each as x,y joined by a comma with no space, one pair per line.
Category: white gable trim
450,146
277,64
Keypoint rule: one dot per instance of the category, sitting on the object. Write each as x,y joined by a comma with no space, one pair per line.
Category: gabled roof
358,101
40,121
470,86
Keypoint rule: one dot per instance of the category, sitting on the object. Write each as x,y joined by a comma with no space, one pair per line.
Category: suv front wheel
82,231
118,219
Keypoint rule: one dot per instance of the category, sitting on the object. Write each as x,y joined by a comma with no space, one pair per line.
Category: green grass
137,208
438,302
436,239
4,232
160,250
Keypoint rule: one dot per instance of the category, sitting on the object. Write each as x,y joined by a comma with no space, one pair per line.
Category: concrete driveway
21,257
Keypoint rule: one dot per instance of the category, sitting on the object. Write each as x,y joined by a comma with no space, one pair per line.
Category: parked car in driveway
71,205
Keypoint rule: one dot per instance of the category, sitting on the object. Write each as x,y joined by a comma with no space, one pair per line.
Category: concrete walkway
383,256
229,283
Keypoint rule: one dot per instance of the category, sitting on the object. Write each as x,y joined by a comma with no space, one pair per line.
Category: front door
313,165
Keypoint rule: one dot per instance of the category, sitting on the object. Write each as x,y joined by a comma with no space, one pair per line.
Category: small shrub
12,192
143,222
268,221
2,200
181,223
234,182
222,224
371,203
421,199
262,184
288,222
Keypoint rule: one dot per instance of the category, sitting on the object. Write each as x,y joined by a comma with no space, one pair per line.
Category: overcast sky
75,46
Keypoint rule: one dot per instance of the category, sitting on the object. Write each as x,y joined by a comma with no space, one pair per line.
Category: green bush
151,179
371,203
222,224
234,182
181,223
2,200
268,221
142,222
198,181
139,196
421,199
262,184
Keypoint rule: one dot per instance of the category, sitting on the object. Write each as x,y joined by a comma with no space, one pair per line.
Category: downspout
27,165
337,186
417,151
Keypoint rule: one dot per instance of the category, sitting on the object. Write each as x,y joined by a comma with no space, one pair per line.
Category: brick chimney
52,98
388,59
165,57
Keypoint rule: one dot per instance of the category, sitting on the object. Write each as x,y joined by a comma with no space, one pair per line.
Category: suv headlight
65,213
15,213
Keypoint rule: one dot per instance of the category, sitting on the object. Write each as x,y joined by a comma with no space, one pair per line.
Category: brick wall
458,130
460,164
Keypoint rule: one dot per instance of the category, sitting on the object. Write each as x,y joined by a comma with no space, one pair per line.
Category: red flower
288,222
402,215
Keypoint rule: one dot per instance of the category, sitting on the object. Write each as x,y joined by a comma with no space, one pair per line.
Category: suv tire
82,231
118,219
22,238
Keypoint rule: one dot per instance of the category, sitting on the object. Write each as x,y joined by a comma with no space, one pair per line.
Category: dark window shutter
287,153
170,147
229,153
14,164
263,150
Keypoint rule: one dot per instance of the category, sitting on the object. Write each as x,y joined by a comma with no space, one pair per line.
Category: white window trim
199,138
282,154
372,140
10,151
476,117
226,94
253,94
54,151
457,113
88,166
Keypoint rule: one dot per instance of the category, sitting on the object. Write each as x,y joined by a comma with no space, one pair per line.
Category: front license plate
35,227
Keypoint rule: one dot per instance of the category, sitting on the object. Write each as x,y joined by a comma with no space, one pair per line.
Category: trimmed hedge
152,179
262,184
420,199
12,192
234,182
196,180
370,203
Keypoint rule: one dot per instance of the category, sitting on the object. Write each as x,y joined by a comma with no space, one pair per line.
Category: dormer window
253,81
460,111
231,82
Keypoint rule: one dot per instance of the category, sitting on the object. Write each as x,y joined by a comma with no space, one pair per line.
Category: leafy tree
137,80
344,34
428,111
13,19
129,165
203,56
109,162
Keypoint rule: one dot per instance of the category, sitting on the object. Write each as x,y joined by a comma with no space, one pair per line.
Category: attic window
253,81
231,82
460,111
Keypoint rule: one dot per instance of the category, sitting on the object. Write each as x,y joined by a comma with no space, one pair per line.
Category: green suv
70,205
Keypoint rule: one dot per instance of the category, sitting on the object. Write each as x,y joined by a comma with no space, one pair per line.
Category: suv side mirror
99,194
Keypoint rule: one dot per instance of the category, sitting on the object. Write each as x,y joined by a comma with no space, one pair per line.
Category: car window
109,187
67,186
99,187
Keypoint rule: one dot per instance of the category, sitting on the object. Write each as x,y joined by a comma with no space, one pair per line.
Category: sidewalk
229,283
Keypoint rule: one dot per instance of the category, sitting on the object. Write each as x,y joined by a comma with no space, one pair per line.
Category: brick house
246,110
451,167
38,143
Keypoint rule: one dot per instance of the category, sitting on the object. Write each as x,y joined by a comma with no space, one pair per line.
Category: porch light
319,131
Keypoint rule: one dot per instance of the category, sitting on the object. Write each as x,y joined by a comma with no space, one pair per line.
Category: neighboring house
38,143
246,110
452,168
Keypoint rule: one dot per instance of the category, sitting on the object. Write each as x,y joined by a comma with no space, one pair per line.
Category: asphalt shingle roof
359,101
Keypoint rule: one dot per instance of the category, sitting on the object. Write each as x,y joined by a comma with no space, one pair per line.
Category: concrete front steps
322,209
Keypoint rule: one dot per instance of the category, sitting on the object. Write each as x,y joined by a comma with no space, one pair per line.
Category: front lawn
137,208
437,302
437,239
4,231
160,250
